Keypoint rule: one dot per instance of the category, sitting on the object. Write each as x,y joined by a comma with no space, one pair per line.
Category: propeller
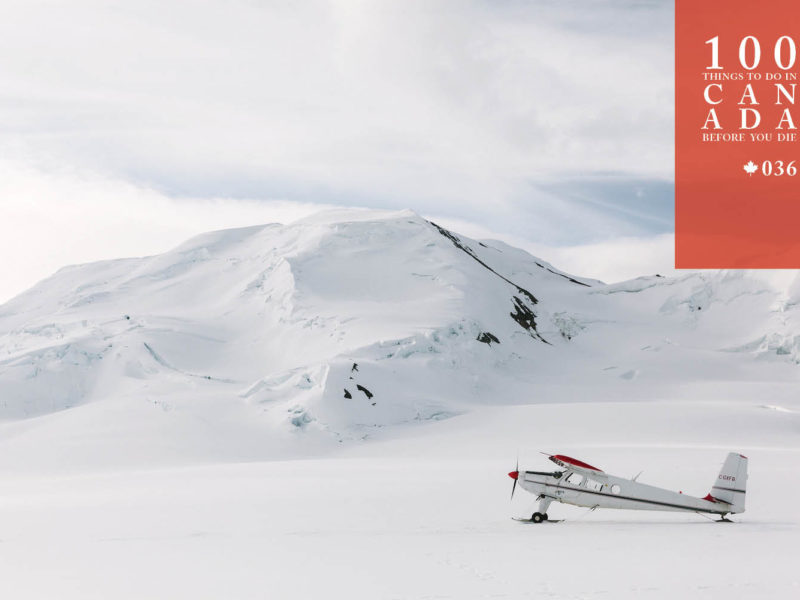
514,475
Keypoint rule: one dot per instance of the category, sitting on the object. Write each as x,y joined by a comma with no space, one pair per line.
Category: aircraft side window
574,479
594,485
615,489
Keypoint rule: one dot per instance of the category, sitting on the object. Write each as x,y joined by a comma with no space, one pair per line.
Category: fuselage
601,490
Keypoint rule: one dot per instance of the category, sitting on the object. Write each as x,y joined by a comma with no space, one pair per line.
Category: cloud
619,259
452,106
127,127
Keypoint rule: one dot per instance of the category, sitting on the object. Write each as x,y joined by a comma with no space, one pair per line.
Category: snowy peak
240,306
351,320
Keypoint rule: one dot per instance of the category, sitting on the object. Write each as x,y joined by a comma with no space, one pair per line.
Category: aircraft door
571,486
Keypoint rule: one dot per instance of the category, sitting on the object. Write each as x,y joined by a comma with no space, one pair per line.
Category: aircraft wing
573,463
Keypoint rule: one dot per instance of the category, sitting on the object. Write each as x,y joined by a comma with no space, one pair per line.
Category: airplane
581,484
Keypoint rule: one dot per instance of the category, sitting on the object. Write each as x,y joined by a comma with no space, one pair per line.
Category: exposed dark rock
540,265
461,246
347,394
354,367
526,318
365,390
488,338
522,314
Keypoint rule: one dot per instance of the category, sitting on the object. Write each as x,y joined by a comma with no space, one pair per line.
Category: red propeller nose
514,474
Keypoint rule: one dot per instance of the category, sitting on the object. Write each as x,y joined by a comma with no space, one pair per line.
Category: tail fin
731,482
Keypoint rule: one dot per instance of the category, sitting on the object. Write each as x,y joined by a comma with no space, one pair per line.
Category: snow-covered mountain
349,321
181,425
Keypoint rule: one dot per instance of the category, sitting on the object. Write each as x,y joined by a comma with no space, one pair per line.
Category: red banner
737,189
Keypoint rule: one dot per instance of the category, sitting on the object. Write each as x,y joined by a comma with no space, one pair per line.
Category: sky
126,127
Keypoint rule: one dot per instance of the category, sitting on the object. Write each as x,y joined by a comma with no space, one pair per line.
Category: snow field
419,516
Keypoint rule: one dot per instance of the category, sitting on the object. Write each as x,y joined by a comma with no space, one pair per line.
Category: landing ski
521,520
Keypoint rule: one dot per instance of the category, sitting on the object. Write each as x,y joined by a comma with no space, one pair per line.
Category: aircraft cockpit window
594,485
574,479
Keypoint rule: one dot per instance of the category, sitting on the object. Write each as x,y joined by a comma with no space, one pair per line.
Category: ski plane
582,484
